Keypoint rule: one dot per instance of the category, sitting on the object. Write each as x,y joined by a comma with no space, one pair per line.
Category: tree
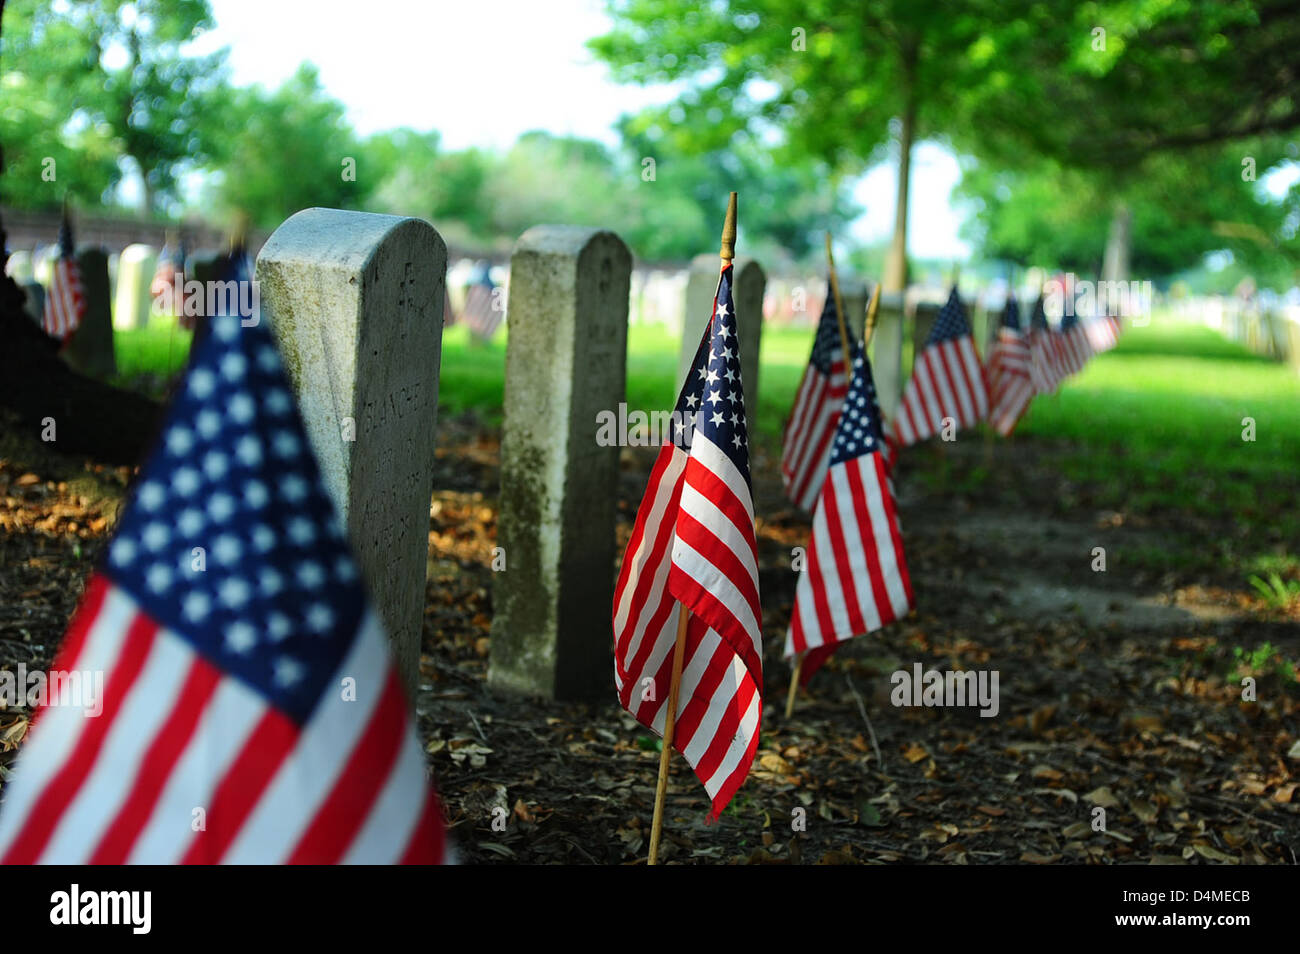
839,80
287,150
117,71
35,384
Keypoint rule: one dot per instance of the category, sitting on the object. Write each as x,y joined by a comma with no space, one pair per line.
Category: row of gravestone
356,301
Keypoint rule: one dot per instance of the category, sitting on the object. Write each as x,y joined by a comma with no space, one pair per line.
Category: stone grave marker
566,363
356,301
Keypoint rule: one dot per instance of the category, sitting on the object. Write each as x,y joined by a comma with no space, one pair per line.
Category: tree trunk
895,277
1115,265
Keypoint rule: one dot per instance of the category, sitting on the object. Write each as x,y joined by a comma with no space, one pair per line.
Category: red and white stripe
187,765
856,578
1103,333
1073,350
65,304
694,542
1010,386
806,450
947,382
1044,367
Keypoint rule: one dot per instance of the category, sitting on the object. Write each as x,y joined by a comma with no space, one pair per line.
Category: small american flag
807,445
1103,332
1009,364
1072,341
947,379
694,542
855,580
169,281
250,709
1044,366
482,311
65,303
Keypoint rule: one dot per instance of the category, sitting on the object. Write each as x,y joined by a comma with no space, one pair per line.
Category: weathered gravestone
887,352
131,299
356,302
566,362
747,291
90,350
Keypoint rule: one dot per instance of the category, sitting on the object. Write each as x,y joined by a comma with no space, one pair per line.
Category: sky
482,72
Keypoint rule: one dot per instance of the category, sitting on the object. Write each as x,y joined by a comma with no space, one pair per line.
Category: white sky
484,71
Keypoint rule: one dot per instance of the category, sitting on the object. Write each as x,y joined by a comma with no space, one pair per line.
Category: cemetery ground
1120,688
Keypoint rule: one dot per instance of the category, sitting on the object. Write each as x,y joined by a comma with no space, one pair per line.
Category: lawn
1157,422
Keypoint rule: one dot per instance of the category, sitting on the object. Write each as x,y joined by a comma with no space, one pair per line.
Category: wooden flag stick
844,344
839,302
794,685
873,306
670,722
728,254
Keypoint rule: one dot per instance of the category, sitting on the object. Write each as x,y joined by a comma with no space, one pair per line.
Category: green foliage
287,150
1275,591
102,78
1264,660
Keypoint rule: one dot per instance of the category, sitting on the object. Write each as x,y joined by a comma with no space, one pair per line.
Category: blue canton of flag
1011,315
244,671
951,321
859,429
712,401
279,598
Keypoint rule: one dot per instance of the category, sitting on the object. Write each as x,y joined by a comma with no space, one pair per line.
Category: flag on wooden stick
1075,351
65,302
249,710
694,545
947,379
1010,386
807,444
1044,366
855,580
1103,332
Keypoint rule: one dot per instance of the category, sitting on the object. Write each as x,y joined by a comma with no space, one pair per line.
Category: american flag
1044,366
250,709
1103,332
1072,342
65,303
694,542
855,579
169,281
947,379
807,445
482,312
1009,365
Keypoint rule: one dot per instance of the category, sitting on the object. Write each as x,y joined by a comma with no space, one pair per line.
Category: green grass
1159,422
1155,422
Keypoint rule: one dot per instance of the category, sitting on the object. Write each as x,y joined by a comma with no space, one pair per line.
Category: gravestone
131,299
356,302
887,352
90,350
747,291
566,362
